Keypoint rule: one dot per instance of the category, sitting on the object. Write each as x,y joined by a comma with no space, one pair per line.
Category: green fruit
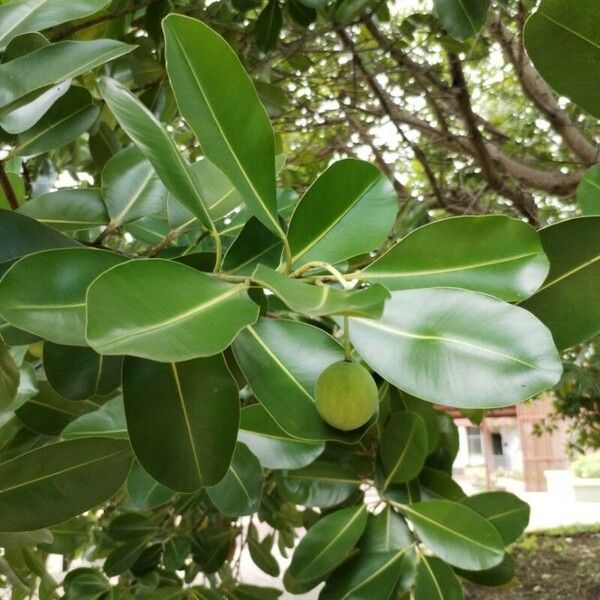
346,395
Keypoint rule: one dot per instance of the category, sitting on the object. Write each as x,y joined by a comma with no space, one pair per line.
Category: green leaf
492,254
85,584
403,447
239,492
222,108
68,210
462,18
268,26
436,581
133,310
20,235
273,447
260,552
254,245
436,484
131,188
575,41
324,483
176,551
588,192
18,187
505,511
385,532
498,576
79,373
9,376
402,402
146,493
458,348
327,544
457,534
25,539
566,302
18,17
369,576
249,592
123,557
322,300
44,293
48,412
282,360
357,217
157,146
193,448
54,483
107,421
51,65
70,117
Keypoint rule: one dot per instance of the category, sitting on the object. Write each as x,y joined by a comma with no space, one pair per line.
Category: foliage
167,314
587,466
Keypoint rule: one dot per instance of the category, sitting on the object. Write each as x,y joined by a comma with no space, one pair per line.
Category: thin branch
7,188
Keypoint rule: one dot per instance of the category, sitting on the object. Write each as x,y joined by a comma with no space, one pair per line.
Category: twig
7,188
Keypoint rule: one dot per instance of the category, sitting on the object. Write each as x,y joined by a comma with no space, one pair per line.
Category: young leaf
322,300
193,448
566,302
239,492
44,293
357,217
133,310
54,483
282,360
457,534
222,108
458,348
493,254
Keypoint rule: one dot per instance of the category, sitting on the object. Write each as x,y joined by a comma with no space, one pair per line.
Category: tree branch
7,188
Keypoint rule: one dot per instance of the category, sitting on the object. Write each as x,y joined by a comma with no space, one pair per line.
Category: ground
560,564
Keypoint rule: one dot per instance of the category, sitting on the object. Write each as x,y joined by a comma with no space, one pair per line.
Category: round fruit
346,395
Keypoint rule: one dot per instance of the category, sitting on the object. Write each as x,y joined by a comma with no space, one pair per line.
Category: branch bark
7,188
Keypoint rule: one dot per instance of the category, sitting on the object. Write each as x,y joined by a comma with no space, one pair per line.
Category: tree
167,316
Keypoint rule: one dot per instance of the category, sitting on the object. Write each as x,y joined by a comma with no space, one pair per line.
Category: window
497,448
474,441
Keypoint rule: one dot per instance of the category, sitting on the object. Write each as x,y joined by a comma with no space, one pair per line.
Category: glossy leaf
385,532
20,235
268,26
79,373
435,484
273,447
164,311
575,41
107,421
52,64
588,192
70,117
498,576
239,492
505,511
261,554
222,108
457,534
131,188
282,360
403,447
496,255
324,483
157,146
357,217
565,303
18,17
145,493
458,348
322,300
327,544
193,448
123,557
9,376
436,581
44,293
56,482
68,210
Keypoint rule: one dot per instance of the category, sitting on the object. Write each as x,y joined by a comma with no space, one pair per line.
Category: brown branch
7,188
